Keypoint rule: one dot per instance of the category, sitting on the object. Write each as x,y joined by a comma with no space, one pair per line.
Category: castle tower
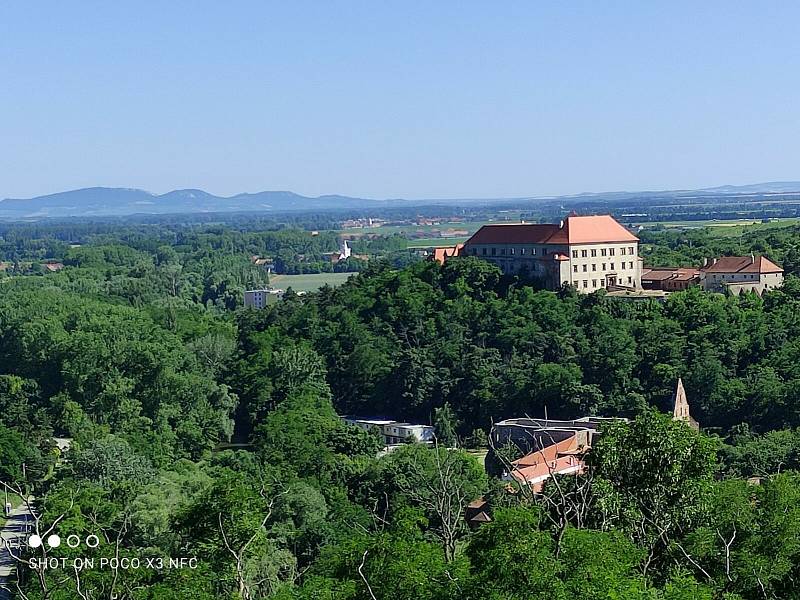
680,406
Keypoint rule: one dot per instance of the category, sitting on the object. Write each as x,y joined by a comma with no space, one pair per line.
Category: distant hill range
101,201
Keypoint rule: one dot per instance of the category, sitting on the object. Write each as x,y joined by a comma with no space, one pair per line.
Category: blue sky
398,99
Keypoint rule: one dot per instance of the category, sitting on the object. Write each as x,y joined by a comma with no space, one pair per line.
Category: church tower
680,406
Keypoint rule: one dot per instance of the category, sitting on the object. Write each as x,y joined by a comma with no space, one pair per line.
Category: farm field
734,231
308,282
730,223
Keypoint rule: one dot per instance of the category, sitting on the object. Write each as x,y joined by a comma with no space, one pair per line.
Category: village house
394,432
554,447
739,274
53,266
670,279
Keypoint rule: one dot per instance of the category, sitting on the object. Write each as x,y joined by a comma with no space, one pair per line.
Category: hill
105,201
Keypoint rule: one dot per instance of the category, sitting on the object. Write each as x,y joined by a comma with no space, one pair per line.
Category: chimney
705,262
713,261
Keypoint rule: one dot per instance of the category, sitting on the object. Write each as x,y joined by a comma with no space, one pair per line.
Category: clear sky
398,99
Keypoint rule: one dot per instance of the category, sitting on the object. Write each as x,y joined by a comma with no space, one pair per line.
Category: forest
201,429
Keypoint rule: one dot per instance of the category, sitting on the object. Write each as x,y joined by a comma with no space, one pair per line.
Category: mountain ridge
108,201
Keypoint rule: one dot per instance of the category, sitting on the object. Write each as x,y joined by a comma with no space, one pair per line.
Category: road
12,535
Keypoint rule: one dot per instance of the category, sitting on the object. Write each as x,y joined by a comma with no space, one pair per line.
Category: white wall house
738,274
262,298
394,432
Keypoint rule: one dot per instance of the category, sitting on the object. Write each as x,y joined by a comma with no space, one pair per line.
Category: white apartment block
262,298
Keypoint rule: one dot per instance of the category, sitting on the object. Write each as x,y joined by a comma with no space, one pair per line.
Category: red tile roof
560,458
574,230
657,274
742,264
442,254
674,273
686,274
591,230
516,233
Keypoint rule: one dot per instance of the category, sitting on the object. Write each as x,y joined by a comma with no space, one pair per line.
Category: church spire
680,406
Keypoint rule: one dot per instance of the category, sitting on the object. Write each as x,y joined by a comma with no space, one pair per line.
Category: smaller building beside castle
739,274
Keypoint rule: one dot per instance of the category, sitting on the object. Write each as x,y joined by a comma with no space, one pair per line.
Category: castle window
502,251
574,268
586,283
630,265
584,268
631,251
594,266
583,253
604,266
484,251
533,251
594,282
494,251
611,267
594,252
574,254
603,252
611,251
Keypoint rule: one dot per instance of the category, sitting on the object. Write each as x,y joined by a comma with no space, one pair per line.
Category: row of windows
603,265
717,277
602,282
629,250
511,251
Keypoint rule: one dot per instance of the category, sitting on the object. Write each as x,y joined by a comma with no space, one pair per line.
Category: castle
588,252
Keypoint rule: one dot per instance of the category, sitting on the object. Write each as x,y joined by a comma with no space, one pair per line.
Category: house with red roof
739,274
670,279
588,252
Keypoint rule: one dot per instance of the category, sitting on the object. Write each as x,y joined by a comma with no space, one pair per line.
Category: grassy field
726,224
737,230
307,282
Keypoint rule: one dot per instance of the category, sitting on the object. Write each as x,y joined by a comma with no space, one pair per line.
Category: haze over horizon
449,100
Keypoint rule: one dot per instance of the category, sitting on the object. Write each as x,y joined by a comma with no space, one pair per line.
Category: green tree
441,482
